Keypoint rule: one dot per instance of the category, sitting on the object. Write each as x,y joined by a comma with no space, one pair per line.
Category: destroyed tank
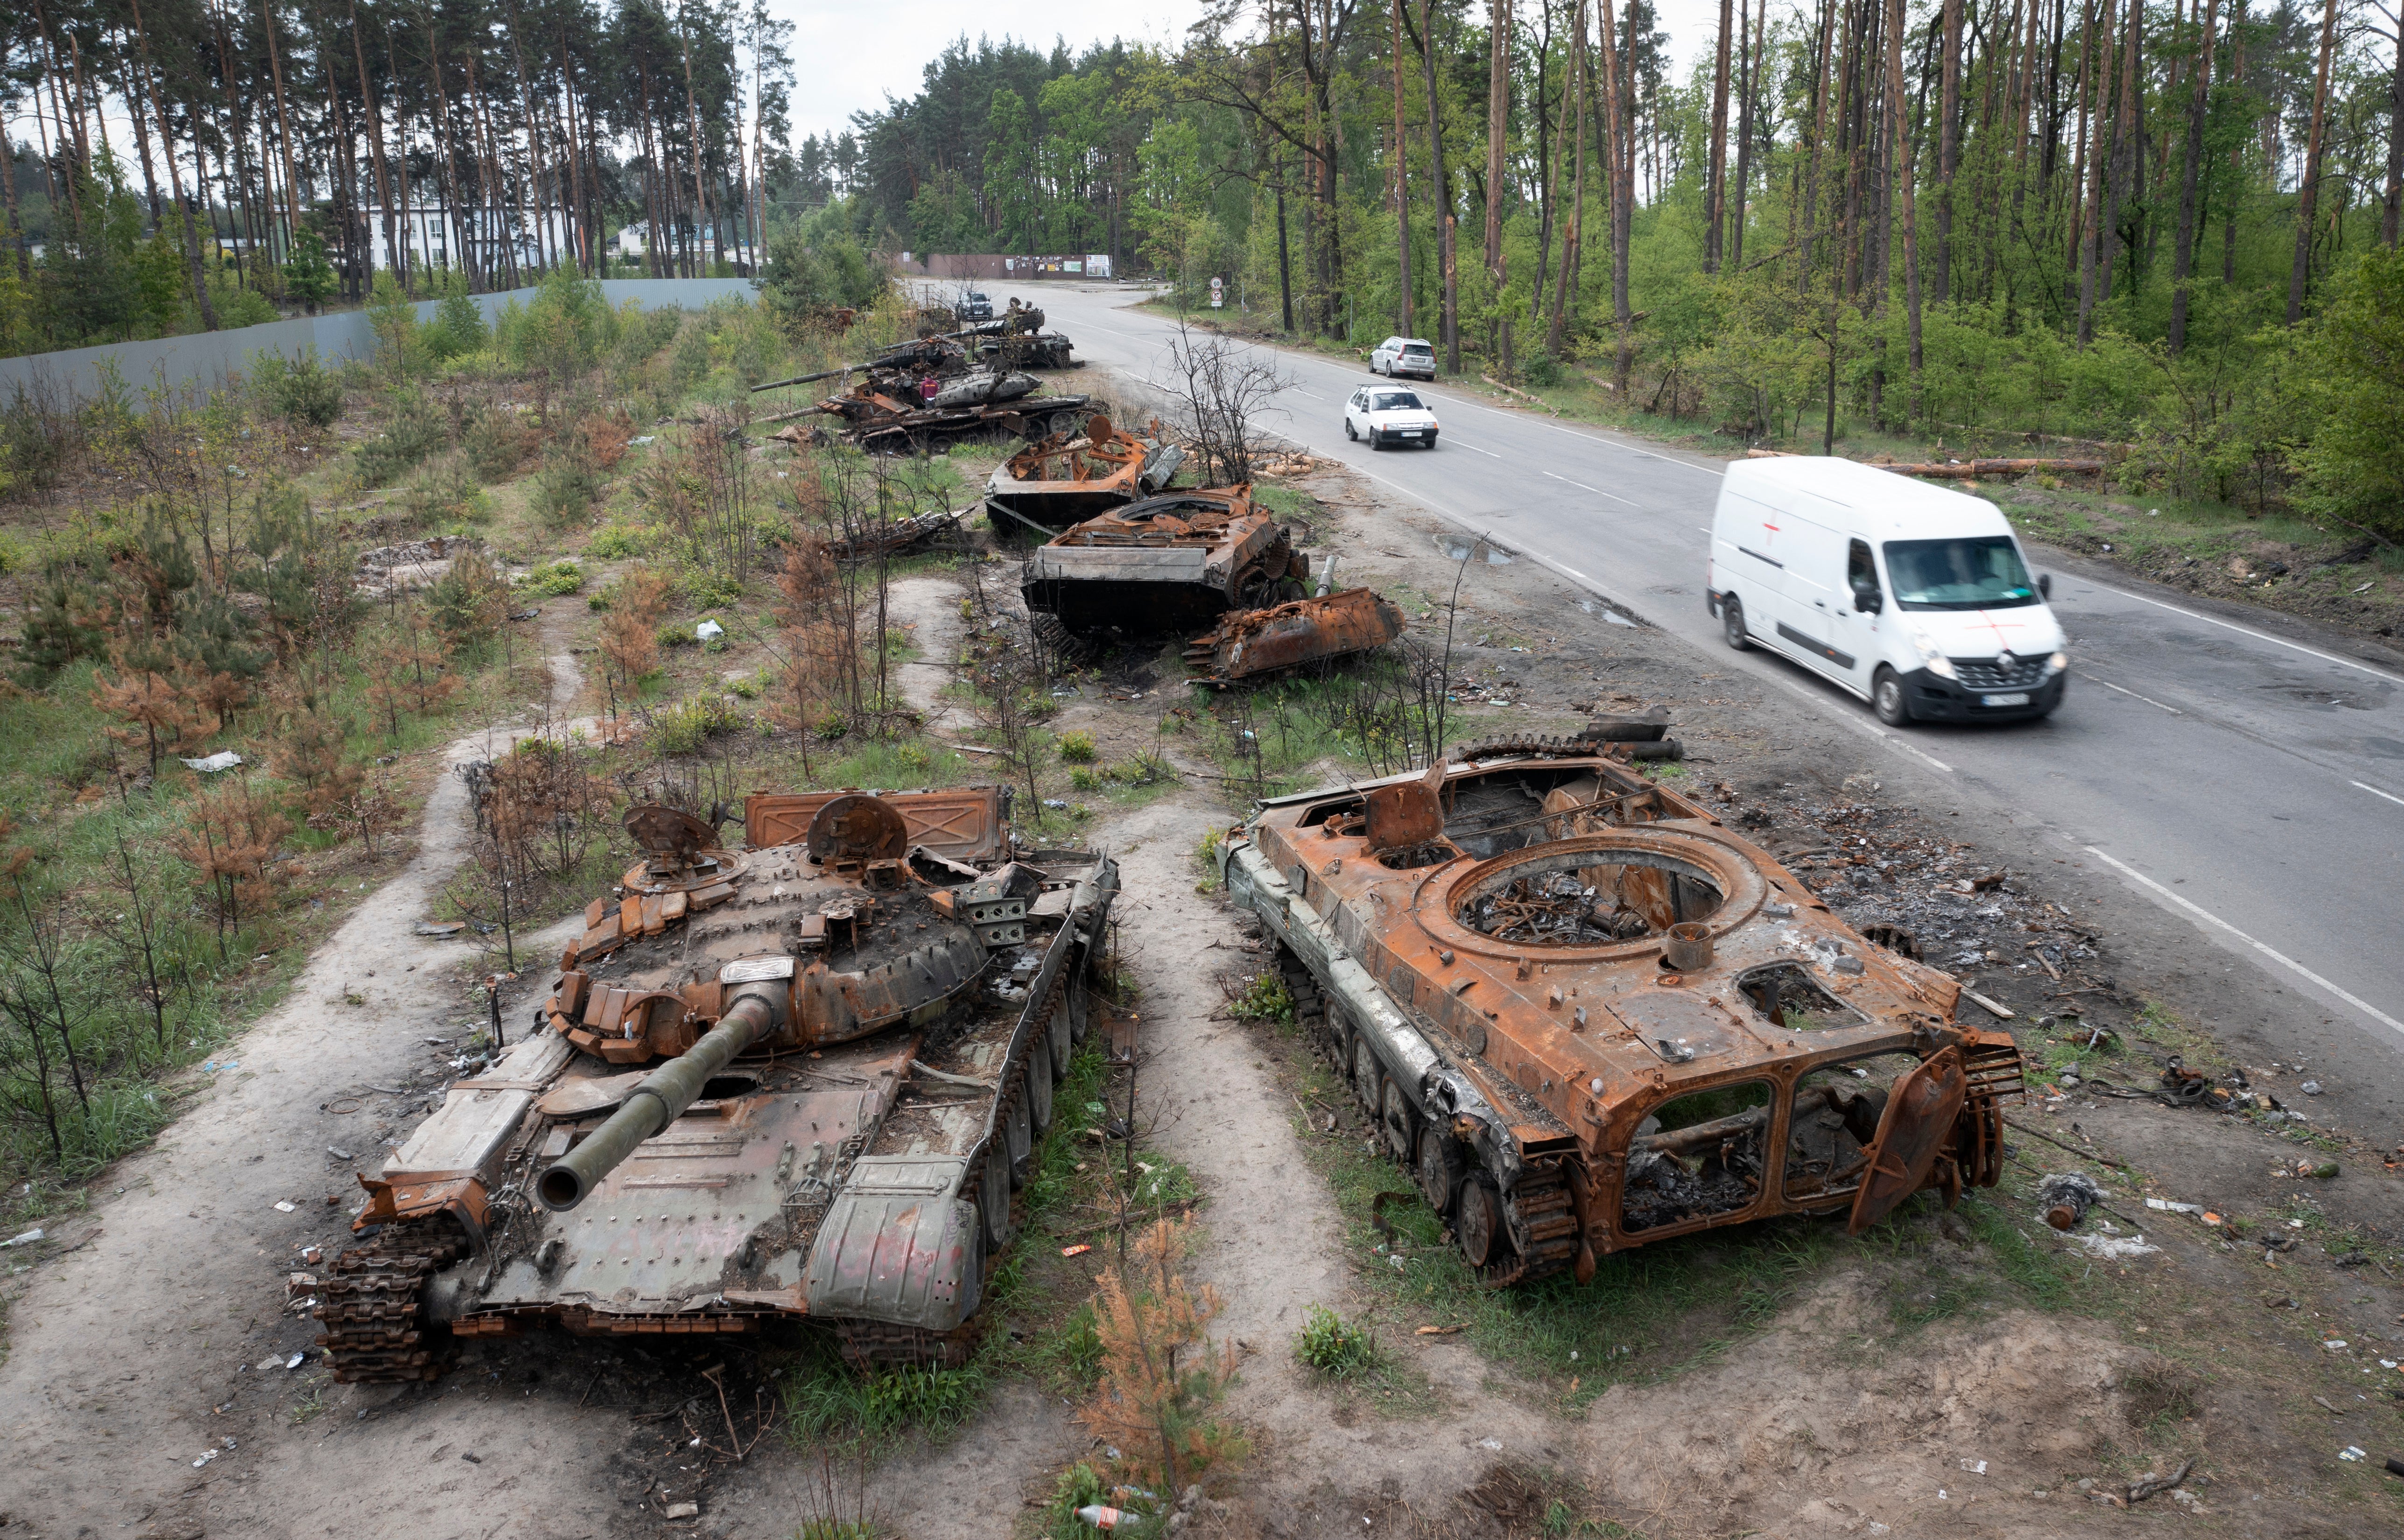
797,1080
1065,478
1586,1016
1175,562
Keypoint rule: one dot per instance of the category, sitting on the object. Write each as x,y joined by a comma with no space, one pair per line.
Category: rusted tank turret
1250,643
1068,477
1176,562
722,1117
1586,1016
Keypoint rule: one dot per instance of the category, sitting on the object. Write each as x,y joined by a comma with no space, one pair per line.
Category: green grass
1655,1313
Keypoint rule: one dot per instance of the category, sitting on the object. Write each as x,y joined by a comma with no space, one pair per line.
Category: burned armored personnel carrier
1175,562
1586,1016
1066,478
793,1081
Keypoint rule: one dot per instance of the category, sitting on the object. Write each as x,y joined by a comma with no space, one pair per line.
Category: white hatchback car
1399,356
1388,414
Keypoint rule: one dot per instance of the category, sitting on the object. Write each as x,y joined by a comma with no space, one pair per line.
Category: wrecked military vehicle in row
1065,478
1587,1016
797,1080
1209,561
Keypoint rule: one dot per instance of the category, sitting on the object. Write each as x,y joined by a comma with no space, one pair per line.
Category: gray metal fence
206,359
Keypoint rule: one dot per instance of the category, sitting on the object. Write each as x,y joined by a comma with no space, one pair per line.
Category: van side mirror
2045,586
1870,599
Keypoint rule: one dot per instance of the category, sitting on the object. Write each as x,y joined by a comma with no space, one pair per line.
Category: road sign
1218,293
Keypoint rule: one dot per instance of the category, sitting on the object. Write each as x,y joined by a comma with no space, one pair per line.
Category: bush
682,728
458,322
1077,748
557,578
1333,1346
566,488
1084,778
615,540
412,430
496,442
301,390
444,490
675,634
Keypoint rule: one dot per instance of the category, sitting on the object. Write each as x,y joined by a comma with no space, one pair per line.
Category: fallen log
1965,470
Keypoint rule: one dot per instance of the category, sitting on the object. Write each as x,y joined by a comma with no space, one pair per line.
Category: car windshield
1394,400
1975,573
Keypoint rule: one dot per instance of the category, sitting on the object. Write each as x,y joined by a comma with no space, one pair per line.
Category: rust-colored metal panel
963,825
1250,643
1920,1117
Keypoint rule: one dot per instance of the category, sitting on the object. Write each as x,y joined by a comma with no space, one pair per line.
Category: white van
1917,599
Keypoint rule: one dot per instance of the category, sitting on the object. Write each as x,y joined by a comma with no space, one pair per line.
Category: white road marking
1848,718
1474,449
2248,630
2272,953
1313,395
2376,792
2125,690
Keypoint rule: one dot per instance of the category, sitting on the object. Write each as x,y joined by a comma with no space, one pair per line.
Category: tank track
1063,648
372,1307
1540,1200
1534,743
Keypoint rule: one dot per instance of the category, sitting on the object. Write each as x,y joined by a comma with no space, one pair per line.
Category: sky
849,55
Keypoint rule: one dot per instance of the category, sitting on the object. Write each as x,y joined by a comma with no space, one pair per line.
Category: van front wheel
1886,699
1732,622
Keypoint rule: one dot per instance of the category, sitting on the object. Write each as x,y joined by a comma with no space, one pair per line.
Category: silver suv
1399,356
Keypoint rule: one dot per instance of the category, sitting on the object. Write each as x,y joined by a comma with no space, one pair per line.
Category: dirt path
929,608
160,1333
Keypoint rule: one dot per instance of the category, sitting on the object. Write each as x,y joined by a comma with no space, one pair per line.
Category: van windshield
1980,572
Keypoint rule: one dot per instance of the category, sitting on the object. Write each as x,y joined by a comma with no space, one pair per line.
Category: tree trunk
283,132
1573,106
1748,89
175,177
1821,92
1402,186
1498,128
1448,264
2392,207
2307,196
2126,151
2236,152
1548,172
1903,155
375,149
1715,175
1620,154
693,124
2091,251
2183,254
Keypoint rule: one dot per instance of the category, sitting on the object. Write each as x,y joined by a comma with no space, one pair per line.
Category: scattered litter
2166,1206
2146,1485
2111,1248
1102,1518
204,1459
2309,1088
2352,1451
681,1510
213,1066
708,630
644,439
312,1255
1440,1331
25,1240
295,1360
2064,1196
2334,1344
1976,1467
223,760
337,1153
441,928
1078,1250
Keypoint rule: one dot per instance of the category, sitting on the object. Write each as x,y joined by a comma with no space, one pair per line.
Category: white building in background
436,238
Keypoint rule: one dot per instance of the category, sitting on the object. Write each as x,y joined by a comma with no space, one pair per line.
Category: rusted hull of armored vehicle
1587,1016
1066,478
1176,562
797,1080
1254,644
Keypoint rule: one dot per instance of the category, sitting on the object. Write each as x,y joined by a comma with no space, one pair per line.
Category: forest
2167,227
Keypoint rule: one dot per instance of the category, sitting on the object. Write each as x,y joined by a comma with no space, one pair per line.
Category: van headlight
2056,663
1933,661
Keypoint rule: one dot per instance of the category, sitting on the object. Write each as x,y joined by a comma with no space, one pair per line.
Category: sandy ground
158,1331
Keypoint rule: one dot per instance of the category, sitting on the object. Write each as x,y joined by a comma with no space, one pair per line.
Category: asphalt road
2250,783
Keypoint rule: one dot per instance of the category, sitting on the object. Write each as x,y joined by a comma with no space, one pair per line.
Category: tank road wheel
1438,1171
993,1195
1366,1074
1078,1005
1039,1082
1479,1226
1059,1029
1399,1123
1019,1138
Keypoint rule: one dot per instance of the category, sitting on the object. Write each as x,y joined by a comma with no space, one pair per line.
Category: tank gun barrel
807,378
652,1105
